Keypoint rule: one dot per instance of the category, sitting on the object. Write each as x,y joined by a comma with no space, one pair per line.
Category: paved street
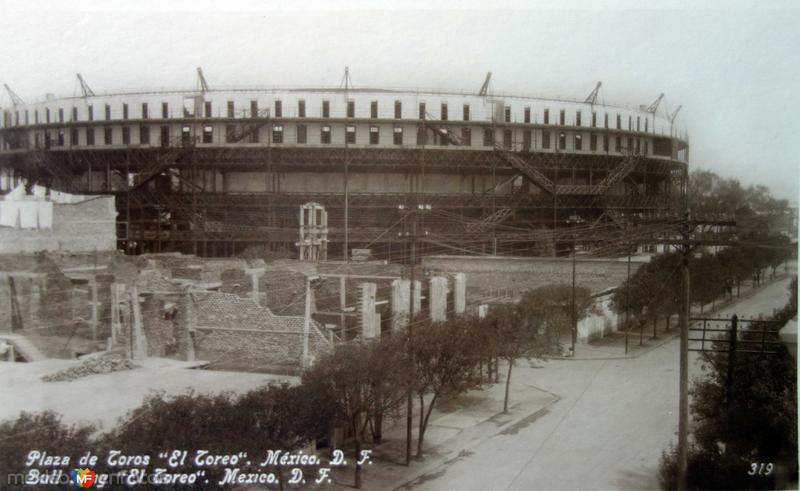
607,431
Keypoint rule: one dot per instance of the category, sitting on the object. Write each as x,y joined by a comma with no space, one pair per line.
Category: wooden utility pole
627,287
683,402
410,399
574,320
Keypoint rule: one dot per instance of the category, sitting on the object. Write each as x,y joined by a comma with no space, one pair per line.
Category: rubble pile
92,366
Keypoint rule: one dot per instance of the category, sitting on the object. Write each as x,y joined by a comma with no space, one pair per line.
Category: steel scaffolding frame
158,216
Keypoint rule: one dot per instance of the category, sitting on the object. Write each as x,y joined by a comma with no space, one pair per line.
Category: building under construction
212,172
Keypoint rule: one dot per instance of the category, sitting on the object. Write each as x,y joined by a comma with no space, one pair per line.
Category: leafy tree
706,279
654,289
274,416
755,423
531,328
360,378
42,431
736,267
444,359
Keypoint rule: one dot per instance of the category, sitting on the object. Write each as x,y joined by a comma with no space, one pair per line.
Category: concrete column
117,292
36,299
139,340
342,304
438,298
187,320
376,326
255,274
95,305
303,247
417,297
459,293
366,310
401,303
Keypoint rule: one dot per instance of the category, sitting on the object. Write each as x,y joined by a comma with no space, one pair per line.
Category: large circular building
215,171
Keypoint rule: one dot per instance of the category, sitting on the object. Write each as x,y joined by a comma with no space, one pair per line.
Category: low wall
601,323
78,227
513,275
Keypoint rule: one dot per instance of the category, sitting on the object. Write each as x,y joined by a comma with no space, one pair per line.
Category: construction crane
654,106
485,87
15,99
674,115
87,91
201,81
672,120
347,82
593,96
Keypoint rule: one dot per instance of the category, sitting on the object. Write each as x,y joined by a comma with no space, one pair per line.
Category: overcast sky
733,66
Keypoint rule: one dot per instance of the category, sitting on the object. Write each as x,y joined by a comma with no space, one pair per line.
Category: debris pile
92,366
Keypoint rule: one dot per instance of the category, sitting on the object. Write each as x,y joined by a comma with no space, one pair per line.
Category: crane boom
15,99
592,98
87,91
674,115
201,81
654,106
485,87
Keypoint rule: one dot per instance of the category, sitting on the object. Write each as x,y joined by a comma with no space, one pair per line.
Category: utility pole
731,358
683,404
575,219
414,214
410,399
574,322
346,170
307,320
627,287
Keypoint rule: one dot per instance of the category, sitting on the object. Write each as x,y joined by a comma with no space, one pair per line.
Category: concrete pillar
366,310
187,320
255,274
483,311
139,340
376,325
459,293
438,298
95,305
342,304
401,303
36,299
117,292
417,297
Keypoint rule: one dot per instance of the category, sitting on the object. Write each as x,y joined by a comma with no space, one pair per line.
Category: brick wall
234,332
81,227
487,275
40,291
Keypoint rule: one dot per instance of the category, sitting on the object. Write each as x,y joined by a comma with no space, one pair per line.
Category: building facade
212,172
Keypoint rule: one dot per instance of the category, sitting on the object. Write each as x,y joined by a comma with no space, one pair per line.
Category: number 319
760,469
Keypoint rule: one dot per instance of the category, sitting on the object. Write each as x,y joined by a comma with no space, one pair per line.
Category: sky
733,66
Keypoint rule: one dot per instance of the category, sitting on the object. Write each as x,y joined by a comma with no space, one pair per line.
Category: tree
736,267
40,431
444,359
653,289
531,328
274,416
707,279
755,423
360,378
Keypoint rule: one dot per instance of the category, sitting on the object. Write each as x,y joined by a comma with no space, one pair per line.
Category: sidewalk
456,427
612,347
